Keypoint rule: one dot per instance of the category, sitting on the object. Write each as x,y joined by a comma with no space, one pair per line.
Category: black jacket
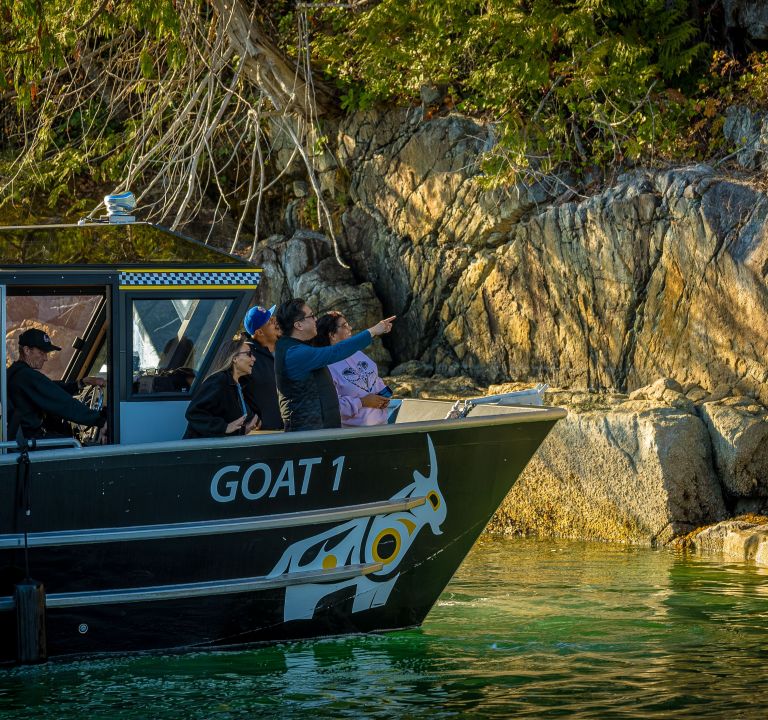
215,405
261,386
308,404
34,400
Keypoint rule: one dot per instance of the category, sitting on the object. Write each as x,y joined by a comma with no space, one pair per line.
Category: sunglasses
245,352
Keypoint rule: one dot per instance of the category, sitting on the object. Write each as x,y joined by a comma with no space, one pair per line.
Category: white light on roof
119,206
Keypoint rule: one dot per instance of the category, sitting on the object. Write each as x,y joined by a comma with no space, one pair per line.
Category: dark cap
37,339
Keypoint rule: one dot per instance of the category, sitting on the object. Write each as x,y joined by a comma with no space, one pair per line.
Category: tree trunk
268,67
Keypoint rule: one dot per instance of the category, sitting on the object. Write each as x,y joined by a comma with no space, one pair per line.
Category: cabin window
172,337
67,319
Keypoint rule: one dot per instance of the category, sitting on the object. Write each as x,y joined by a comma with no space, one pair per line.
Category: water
526,629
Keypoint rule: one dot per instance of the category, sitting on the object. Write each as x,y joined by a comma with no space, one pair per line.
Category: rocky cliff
662,273
659,274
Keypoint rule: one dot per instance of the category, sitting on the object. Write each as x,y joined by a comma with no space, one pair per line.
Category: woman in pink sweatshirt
357,380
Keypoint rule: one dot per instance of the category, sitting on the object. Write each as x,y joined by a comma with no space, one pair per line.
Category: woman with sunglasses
220,408
363,396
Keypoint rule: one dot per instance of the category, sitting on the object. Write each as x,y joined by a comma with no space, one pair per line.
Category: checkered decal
137,280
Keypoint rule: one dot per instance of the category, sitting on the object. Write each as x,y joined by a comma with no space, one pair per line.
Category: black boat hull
223,543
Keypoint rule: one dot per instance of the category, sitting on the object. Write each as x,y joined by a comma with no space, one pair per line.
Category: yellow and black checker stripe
205,279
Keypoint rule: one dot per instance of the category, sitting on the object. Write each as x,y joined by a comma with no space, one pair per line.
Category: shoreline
665,465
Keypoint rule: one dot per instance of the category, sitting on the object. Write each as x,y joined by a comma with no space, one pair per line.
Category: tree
184,98
167,95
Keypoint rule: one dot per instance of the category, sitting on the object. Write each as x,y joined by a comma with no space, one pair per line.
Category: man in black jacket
261,325
35,400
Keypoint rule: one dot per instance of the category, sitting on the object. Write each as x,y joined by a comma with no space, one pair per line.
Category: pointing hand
382,327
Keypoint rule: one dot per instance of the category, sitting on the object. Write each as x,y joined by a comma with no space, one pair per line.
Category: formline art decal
378,539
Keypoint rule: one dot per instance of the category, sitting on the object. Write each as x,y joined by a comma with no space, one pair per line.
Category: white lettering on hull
257,481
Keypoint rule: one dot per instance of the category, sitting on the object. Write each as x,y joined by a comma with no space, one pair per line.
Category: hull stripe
199,589
64,538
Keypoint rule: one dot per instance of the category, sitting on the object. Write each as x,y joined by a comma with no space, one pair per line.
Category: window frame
43,283
91,332
237,300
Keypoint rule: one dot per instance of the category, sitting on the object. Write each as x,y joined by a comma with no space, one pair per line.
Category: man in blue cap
261,326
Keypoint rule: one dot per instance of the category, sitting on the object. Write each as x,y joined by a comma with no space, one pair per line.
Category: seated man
34,398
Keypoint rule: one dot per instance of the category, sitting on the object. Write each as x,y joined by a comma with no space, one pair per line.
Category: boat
151,542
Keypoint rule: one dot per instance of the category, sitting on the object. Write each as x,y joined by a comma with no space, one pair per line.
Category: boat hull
224,543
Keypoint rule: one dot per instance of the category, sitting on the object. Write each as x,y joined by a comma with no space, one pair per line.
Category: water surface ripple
529,629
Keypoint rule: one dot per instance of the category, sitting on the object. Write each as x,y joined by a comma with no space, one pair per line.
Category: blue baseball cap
256,318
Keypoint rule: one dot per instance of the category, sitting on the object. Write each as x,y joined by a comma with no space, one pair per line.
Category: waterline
526,629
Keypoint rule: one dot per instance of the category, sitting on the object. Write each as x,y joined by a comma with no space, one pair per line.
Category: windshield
171,339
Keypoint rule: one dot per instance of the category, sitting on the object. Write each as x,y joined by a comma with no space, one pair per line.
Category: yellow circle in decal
329,562
434,499
386,546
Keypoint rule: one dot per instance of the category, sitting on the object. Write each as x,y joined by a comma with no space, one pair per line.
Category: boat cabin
141,306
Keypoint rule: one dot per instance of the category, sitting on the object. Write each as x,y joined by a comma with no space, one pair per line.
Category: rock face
662,274
738,428
633,471
747,16
739,539
748,132
304,266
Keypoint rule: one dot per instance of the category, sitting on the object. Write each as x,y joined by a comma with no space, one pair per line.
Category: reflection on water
526,629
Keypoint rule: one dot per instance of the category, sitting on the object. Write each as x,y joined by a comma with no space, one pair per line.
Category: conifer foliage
575,82
177,95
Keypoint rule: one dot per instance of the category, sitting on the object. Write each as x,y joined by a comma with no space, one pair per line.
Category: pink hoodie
354,378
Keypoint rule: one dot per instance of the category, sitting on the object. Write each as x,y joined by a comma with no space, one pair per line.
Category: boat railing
42,444
530,397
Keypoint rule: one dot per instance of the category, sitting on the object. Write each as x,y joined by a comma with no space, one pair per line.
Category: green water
526,629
